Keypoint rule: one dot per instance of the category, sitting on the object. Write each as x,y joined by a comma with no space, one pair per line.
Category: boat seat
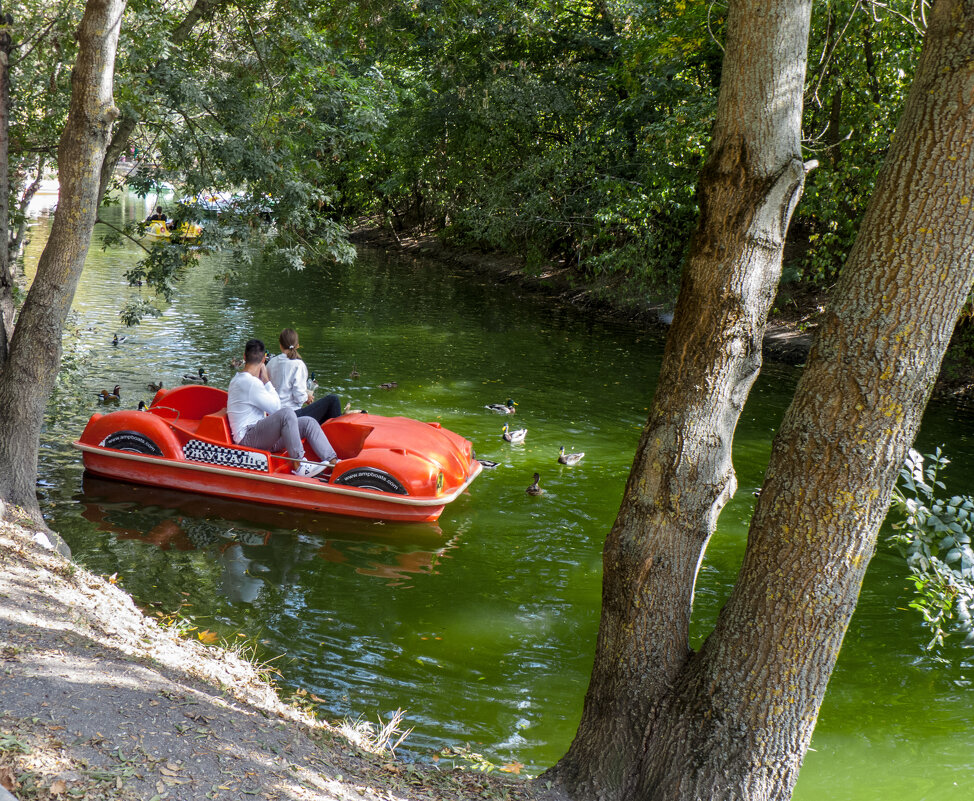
346,437
215,426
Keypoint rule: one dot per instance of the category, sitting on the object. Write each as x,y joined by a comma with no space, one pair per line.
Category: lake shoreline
103,702
787,340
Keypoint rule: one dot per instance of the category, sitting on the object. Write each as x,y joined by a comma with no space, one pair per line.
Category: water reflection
254,545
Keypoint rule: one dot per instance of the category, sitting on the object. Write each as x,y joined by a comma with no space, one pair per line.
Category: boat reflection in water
255,545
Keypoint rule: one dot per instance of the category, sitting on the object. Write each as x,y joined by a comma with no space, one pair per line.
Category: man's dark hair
254,351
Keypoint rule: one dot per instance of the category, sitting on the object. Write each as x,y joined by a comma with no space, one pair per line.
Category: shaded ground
100,702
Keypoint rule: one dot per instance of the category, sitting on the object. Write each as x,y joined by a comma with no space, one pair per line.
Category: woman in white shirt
289,375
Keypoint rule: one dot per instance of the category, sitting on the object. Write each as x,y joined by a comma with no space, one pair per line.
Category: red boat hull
391,468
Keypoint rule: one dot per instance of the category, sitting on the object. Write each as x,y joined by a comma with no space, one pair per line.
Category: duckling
389,385
154,386
534,489
110,397
200,378
569,458
515,436
117,340
355,373
312,382
503,408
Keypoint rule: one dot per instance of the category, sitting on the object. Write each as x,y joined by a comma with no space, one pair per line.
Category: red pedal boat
391,468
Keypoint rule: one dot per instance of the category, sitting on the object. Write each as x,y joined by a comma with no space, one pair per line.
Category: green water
482,626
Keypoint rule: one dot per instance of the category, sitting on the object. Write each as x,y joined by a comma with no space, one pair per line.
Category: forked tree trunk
682,474
35,352
736,720
740,717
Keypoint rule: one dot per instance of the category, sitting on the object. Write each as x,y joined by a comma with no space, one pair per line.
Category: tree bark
682,474
6,273
35,350
735,719
746,705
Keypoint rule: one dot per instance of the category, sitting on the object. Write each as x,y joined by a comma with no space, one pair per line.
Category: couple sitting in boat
266,406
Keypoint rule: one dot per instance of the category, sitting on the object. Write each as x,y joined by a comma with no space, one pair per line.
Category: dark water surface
482,626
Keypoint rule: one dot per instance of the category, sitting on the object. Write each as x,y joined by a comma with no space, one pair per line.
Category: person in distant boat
158,214
257,419
289,375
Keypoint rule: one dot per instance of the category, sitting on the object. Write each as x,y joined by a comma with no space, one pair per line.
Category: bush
934,536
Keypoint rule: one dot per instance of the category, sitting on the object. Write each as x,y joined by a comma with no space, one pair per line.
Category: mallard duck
534,489
517,435
350,410
312,382
389,385
355,373
110,397
236,363
143,407
154,386
488,464
117,340
569,458
502,408
200,378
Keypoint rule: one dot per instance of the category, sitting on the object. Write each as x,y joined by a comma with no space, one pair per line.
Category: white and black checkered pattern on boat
198,451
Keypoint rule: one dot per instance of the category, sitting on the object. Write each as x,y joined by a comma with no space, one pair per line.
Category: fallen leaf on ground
59,787
7,779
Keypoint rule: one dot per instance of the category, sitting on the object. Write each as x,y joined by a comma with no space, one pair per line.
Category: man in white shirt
258,421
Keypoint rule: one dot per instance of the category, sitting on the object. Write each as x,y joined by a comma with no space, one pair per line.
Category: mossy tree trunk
734,720
682,474
35,351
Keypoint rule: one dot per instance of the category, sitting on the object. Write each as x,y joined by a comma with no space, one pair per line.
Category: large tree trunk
6,273
736,718
35,352
749,700
682,474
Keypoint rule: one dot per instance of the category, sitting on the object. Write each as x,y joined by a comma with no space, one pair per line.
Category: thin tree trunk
202,9
682,474
18,240
6,273
35,351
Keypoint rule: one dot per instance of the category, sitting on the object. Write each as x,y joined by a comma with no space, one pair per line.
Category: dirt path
100,702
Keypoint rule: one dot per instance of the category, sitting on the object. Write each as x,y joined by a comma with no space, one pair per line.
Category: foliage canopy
563,131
